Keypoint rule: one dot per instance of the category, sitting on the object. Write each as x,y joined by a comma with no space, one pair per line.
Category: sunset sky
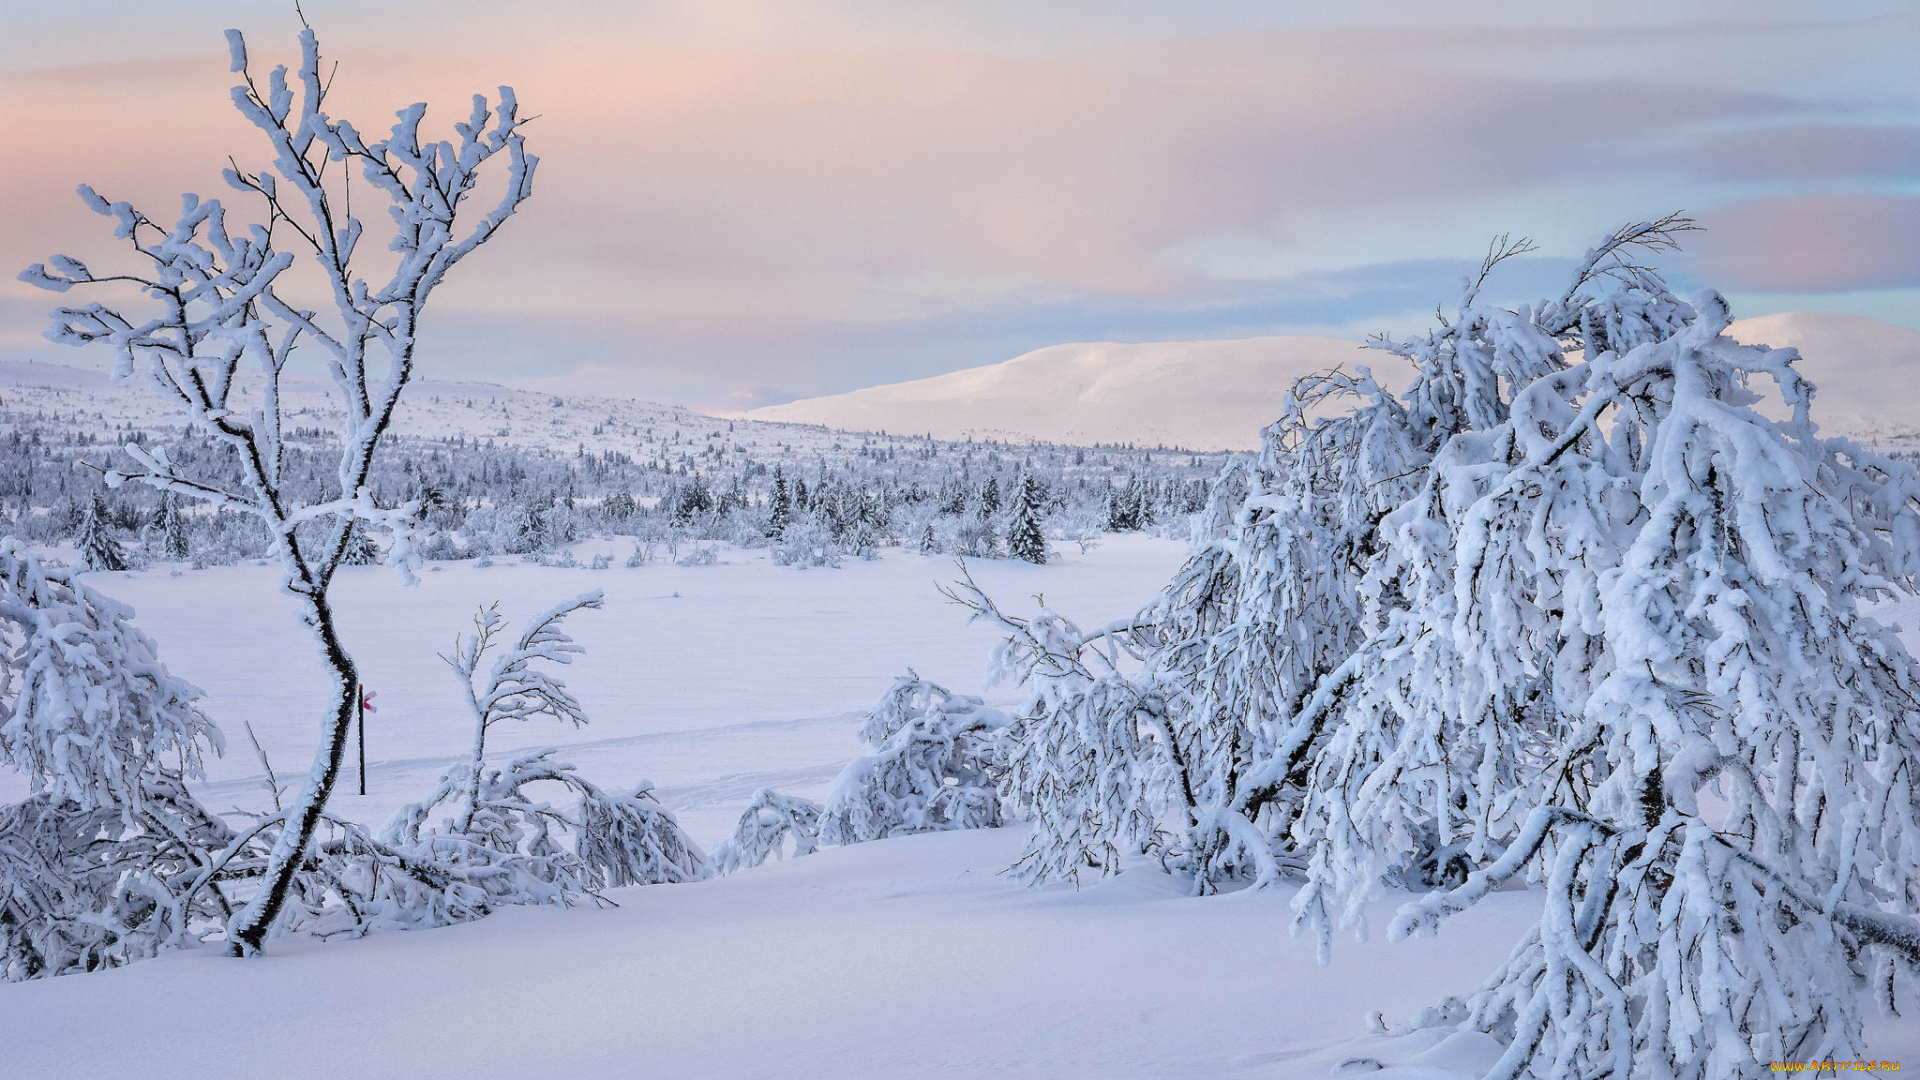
739,203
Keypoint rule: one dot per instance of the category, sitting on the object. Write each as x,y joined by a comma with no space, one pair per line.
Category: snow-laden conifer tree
215,295
360,549
99,549
175,542
779,506
1025,537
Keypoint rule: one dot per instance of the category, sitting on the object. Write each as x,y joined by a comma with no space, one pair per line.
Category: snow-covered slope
1199,395
1217,395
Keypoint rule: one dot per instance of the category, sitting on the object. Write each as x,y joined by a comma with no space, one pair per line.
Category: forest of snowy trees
1568,610
812,497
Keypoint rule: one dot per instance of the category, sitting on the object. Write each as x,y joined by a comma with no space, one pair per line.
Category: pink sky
741,202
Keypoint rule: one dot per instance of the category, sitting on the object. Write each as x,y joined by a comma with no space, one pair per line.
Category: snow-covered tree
1569,608
171,529
1025,537
779,507
1625,655
1086,757
221,295
360,549
99,549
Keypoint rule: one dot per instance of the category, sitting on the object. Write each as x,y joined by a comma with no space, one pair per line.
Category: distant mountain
1867,372
1217,395
1199,395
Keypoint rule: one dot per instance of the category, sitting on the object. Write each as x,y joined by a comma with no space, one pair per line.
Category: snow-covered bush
933,767
110,859
767,825
83,889
91,713
616,839
806,543
935,761
540,853
1086,759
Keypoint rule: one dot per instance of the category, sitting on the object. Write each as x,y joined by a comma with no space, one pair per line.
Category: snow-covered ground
710,681
907,957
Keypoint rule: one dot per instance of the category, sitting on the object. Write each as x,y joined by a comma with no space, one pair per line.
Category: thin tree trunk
248,929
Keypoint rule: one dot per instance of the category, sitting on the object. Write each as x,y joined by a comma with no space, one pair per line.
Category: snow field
905,957
710,681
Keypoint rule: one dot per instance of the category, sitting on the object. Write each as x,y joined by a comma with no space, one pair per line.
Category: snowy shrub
510,529
617,840
442,547
806,543
84,889
1081,759
91,713
932,769
537,853
765,828
105,862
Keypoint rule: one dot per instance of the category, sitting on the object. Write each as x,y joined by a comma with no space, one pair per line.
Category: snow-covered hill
1867,371
1217,395
479,411
1200,395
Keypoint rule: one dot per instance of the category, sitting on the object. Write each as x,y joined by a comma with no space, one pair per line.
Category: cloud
806,196
1807,152
1816,243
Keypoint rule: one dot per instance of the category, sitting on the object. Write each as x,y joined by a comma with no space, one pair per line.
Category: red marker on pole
366,706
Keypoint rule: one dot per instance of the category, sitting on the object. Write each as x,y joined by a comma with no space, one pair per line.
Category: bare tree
214,297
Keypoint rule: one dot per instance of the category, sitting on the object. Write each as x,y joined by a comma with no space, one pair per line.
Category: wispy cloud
751,195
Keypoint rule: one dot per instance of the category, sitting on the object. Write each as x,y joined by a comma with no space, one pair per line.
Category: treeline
811,504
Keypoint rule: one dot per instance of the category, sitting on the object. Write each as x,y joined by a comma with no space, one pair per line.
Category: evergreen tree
929,543
361,550
1025,540
98,548
780,512
990,497
171,527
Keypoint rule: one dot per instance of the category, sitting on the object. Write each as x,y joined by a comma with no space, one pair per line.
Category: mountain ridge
1218,395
